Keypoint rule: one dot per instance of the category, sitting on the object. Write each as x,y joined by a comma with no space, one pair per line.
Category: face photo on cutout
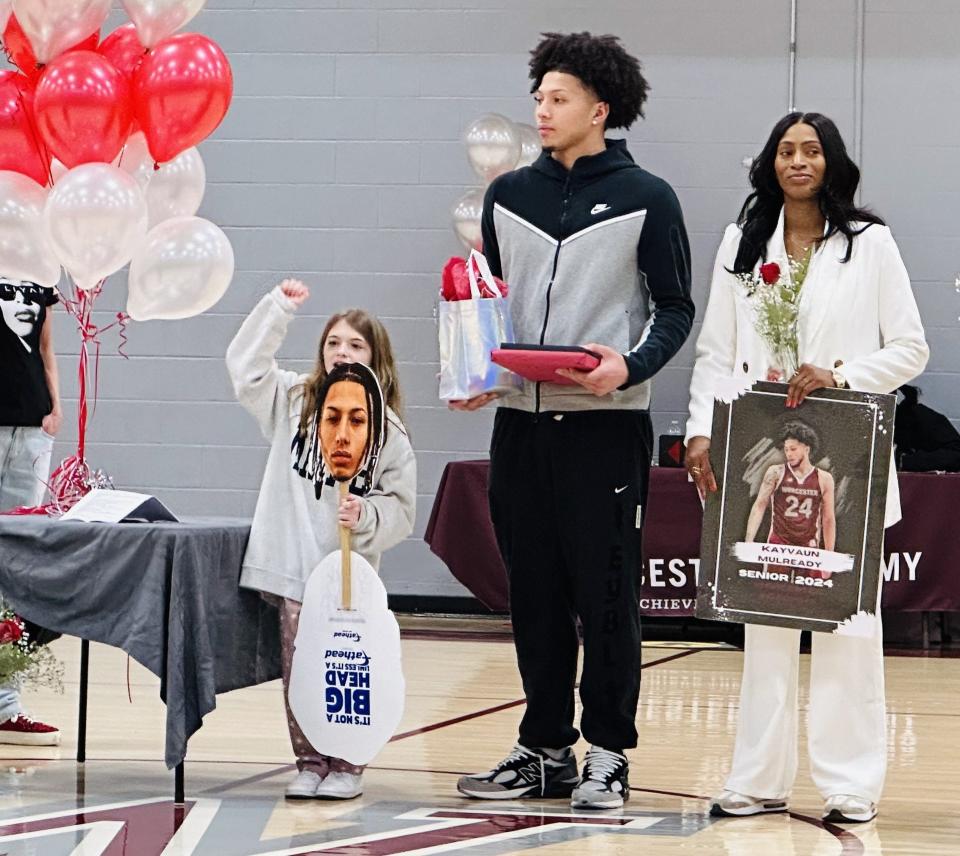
20,306
347,431
344,429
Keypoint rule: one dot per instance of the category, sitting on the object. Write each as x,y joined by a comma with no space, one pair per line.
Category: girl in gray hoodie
295,524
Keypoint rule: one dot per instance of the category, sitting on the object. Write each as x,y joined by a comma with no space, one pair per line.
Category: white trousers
24,464
846,723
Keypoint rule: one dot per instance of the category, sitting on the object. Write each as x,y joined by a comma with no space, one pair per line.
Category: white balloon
135,157
157,19
465,216
493,145
58,170
25,251
4,13
182,269
175,189
52,26
530,144
96,217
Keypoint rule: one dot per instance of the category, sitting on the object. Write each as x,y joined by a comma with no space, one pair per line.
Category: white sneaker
845,808
340,786
604,782
732,804
304,786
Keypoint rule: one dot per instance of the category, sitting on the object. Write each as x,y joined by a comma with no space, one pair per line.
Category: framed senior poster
794,535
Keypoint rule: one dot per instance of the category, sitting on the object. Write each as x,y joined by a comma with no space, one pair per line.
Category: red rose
770,272
10,631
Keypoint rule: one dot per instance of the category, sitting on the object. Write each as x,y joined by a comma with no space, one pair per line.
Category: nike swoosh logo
620,489
599,209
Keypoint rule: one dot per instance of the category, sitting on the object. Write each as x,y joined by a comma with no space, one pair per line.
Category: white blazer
859,317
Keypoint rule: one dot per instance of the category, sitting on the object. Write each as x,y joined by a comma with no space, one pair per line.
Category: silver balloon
493,145
530,144
96,218
175,189
52,26
182,269
157,19
25,252
465,216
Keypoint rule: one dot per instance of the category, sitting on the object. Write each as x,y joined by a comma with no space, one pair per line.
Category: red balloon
124,49
20,51
21,149
181,93
83,108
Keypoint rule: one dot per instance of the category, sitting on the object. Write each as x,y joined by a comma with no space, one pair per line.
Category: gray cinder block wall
341,156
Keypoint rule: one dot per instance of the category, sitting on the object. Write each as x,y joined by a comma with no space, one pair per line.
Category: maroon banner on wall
922,552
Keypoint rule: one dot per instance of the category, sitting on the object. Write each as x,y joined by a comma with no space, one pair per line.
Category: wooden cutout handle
346,594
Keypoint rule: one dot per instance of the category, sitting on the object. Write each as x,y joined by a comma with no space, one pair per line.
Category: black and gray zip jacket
598,253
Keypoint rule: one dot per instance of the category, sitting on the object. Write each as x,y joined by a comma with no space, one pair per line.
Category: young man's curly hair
802,433
601,64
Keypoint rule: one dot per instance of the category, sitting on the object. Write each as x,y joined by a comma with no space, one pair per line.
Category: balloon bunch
495,145
98,165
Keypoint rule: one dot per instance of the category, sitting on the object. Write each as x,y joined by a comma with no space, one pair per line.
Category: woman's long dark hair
759,215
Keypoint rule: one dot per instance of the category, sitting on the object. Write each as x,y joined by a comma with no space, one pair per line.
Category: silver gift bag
469,330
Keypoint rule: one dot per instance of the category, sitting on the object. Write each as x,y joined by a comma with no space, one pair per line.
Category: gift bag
469,330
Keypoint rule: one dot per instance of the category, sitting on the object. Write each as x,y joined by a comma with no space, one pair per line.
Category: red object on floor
24,731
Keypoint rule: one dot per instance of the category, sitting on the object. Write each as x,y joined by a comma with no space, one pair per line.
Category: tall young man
595,252
29,418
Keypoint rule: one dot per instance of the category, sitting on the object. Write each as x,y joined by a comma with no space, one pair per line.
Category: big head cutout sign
346,682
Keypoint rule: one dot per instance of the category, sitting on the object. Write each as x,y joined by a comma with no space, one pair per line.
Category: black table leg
178,797
82,717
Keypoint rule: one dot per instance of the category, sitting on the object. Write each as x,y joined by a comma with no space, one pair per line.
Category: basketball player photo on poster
794,535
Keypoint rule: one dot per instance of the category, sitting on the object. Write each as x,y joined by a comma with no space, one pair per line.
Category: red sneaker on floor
24,731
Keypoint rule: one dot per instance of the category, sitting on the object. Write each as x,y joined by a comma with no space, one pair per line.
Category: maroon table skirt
922,562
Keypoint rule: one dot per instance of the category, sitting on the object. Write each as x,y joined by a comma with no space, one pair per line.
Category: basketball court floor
463,705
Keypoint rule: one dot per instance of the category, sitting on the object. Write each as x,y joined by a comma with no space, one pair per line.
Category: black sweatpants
566,493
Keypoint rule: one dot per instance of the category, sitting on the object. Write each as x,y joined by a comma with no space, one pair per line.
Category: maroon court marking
151,825
486,711
248,780
457,719
507,705
851,845
482,826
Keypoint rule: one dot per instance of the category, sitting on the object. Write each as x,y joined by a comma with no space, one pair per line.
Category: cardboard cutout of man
346,682
30,416
347,431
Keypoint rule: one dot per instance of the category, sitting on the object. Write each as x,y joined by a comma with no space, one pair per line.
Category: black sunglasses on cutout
33,293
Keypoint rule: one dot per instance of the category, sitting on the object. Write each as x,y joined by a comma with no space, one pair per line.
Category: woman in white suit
858,328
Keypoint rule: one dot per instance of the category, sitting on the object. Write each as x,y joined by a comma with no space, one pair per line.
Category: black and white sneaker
604,783
524,773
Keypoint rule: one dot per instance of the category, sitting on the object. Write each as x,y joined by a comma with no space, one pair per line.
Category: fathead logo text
352,635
